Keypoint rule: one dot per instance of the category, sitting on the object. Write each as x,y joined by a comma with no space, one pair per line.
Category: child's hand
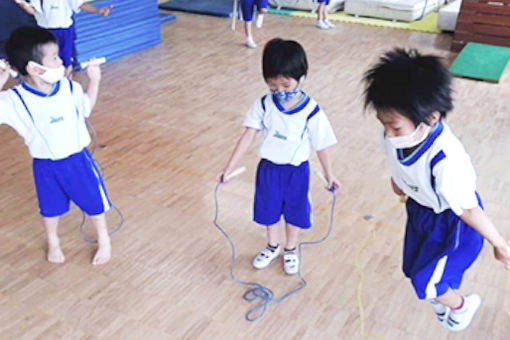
221,177
333,182
396,189
502,253
105,11
4,74
94,72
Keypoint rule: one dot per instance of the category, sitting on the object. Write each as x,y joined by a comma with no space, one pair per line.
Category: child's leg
320,11
292,233
290,256
55,254
104,249
450,299
271,251
262,9
247,29
273,235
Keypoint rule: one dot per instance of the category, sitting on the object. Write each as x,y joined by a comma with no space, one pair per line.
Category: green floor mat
481,61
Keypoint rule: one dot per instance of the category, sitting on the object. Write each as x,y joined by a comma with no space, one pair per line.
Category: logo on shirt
412,187
279,135
56,119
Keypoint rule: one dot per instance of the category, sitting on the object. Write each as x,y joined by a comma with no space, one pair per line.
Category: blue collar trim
412,158
299,106
35,91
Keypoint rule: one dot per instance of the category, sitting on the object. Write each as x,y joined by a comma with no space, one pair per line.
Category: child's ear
33,69
434,118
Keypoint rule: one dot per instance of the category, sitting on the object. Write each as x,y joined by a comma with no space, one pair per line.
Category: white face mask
412,139
51,75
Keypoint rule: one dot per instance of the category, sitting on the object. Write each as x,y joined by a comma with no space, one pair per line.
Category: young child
322,16
57,17
446,223
247,8
291,123
49,112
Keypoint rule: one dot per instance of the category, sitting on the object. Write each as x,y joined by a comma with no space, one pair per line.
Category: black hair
25,44
410,84
284,58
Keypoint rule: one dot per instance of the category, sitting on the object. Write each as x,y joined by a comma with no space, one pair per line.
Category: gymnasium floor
167,120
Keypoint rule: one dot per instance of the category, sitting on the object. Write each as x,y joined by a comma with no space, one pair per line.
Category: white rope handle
234,173
93,61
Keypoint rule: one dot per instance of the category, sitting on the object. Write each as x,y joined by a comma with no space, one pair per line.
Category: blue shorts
438,249
283,189
75,178
321,1
247,8
65,38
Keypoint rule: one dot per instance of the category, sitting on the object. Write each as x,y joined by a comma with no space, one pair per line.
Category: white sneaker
329,23
322,25
441,311
459,320
260,20
250,42
290,262
265,257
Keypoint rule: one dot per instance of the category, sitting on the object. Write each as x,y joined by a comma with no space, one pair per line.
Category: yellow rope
507,294
374,226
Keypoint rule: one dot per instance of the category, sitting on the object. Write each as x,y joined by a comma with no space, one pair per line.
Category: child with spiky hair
446,223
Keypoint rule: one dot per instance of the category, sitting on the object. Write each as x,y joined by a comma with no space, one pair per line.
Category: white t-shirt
55,13
52,125
289,135
438,174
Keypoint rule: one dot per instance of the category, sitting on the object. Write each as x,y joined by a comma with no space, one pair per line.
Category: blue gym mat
166,17
132,26
219,8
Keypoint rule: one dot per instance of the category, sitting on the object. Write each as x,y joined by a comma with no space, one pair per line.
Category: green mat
481,61
428,24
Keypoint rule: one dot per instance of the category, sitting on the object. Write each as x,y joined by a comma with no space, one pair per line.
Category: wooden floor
167,119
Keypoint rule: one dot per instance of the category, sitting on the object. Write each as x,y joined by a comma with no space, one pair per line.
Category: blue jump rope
256,290
81,229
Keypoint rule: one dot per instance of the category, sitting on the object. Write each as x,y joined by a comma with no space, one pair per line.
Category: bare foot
55,254
103,253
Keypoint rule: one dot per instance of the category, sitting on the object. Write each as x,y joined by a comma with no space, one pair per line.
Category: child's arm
396,189
4,76
25,6
92,9
94,73
477,219
240,150
328,172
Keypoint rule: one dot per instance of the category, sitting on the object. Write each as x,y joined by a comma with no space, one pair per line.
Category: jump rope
258,292
81,228
266,296
375,224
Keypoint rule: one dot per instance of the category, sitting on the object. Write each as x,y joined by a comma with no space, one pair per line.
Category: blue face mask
285,96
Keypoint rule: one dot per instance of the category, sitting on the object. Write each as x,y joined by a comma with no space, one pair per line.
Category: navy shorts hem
53,214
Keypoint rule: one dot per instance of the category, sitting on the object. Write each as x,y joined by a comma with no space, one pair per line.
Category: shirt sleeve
255,116
321,132
81,100
456,182
7,110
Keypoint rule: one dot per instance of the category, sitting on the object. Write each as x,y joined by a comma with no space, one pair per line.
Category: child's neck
39,84
293,102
